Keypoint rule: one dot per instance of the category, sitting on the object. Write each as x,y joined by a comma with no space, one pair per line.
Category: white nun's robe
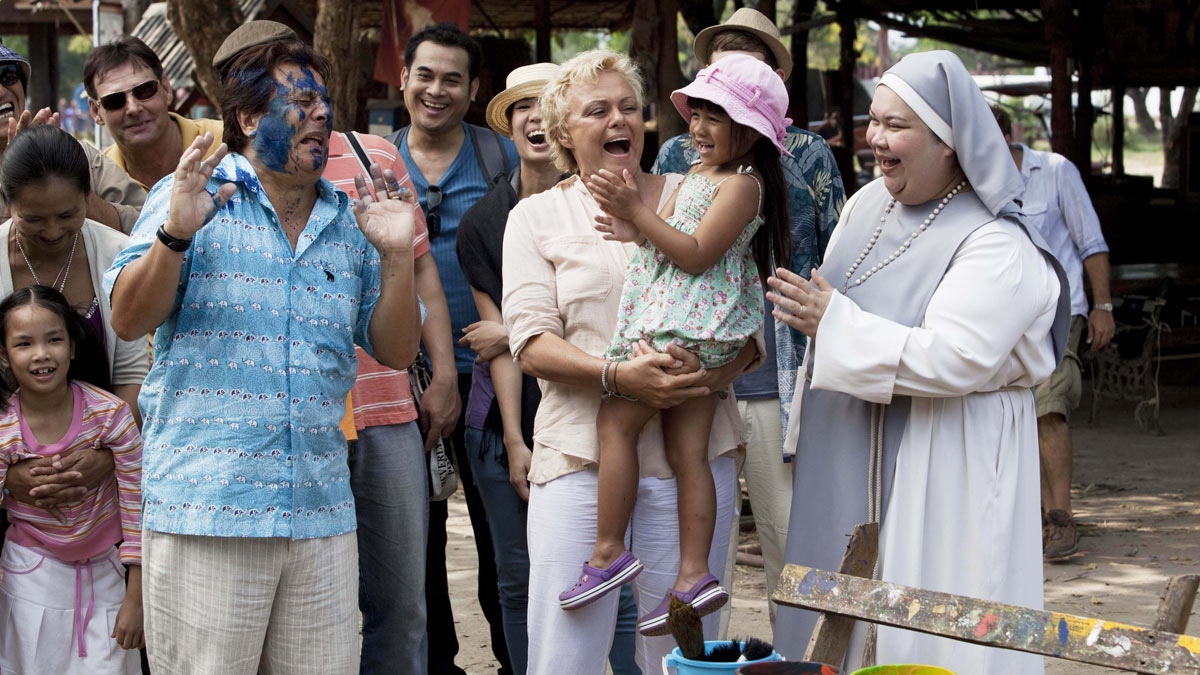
963,515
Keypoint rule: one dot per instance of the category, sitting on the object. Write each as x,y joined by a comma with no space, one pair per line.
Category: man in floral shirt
815,198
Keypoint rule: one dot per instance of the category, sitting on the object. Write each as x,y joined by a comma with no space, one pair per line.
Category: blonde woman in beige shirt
562,285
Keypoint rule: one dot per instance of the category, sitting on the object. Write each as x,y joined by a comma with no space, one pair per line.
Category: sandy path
1137,495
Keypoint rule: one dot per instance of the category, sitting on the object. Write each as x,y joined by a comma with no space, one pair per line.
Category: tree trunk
335,36
802,11
654,46
1141,113
1174,127
133,11
203,25
699,14
670,75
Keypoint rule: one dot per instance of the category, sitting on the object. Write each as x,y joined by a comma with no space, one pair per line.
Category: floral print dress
710,314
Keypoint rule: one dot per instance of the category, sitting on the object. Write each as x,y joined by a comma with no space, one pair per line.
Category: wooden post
1175,604
1085,113
541,23
845,101
1057,15
1118,130
43,54
831,636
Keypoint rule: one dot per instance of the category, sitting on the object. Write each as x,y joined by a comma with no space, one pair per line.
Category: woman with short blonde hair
562,286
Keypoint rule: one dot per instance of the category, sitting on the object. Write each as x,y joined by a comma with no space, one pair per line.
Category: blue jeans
389,478
506,515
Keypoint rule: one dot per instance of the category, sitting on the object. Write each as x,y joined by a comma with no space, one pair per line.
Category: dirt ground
1137,497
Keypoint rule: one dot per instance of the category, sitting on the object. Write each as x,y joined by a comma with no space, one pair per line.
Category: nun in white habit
933,314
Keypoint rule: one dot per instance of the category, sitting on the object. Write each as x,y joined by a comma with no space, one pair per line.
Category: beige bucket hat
524,82
750,21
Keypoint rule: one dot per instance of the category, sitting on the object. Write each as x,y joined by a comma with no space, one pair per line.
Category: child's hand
127,630
617,229
618,196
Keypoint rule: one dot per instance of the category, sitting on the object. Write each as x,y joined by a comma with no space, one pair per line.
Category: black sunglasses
433,219
142,92
10,74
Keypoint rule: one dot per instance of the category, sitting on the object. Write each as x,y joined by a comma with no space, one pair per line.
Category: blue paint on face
279,140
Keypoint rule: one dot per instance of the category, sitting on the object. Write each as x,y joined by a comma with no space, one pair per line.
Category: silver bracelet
604,377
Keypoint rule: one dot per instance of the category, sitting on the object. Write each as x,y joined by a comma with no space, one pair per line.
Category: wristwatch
1104,307
173,243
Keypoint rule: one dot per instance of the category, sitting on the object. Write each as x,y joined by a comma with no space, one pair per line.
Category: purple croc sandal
594,583
706,597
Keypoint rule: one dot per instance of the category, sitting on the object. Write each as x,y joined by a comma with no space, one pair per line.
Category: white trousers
769,481
246,605
562,532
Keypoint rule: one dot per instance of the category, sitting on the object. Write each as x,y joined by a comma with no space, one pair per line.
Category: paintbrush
754,649
684,623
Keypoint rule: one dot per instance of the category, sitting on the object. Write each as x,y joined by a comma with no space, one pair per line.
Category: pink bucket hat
748,89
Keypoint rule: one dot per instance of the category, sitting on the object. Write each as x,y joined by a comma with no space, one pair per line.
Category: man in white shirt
1057,204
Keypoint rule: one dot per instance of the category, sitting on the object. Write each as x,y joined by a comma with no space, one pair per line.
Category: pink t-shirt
381,396
110,512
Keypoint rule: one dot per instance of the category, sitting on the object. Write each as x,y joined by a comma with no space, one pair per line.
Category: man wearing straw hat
815,197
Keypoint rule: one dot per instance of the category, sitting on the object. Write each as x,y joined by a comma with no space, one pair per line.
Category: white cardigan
129,362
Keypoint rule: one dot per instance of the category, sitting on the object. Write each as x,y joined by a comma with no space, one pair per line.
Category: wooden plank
1175,605
1081,639
831,636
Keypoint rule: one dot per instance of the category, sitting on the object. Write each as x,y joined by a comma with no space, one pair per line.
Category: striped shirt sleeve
120,435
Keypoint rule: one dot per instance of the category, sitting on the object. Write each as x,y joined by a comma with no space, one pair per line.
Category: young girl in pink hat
695,282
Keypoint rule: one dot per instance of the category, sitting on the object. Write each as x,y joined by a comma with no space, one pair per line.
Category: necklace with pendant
851,281
63,272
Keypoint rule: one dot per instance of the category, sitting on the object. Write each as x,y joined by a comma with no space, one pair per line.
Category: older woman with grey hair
562,284
941,311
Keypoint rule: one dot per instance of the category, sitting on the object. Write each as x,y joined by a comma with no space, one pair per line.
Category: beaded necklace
903,247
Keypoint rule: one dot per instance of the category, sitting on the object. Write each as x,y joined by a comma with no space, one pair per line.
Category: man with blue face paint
260,278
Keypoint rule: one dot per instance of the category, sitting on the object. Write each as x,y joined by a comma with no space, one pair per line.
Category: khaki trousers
769,482
247,605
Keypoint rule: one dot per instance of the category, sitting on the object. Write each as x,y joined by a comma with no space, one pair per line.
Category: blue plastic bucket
684,666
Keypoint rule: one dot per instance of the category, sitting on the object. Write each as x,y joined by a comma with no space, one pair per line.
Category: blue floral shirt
252,367
815,199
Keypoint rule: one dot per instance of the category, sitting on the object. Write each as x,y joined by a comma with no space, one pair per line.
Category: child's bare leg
686,428
618,425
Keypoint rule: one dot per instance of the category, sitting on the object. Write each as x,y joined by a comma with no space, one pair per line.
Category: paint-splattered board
1094,641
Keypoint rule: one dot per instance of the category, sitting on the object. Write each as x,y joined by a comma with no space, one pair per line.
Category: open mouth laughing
537,139
7,110
618,146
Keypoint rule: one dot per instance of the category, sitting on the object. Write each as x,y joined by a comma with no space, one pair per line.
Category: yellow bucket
907,669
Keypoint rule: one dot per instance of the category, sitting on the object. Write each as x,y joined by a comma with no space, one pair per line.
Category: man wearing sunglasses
116,200
128,93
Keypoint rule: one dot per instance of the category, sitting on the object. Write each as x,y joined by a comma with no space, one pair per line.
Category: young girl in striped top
64,604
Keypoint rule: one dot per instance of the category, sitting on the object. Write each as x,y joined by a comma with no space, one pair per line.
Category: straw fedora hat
750,21
524,82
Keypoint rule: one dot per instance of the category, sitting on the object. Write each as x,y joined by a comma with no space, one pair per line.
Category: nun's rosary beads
903,247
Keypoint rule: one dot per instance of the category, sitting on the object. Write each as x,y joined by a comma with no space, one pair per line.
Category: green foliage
72,52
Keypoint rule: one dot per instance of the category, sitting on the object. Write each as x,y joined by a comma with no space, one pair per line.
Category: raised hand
617,195
384,214
192,205
27,119
798,302
617,229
